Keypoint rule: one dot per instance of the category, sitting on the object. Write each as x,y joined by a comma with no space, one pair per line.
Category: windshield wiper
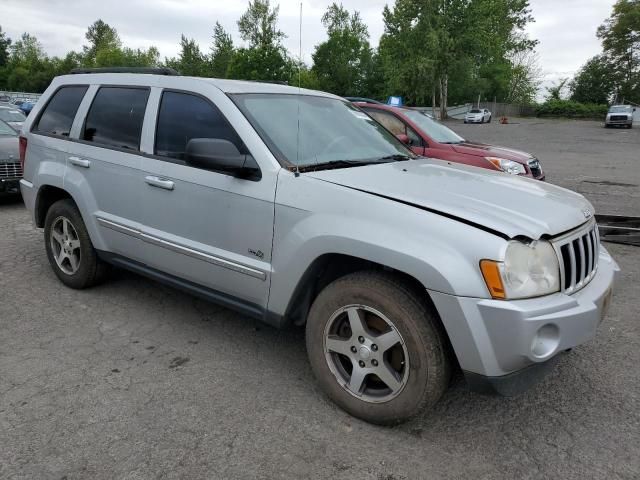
335,164
398,157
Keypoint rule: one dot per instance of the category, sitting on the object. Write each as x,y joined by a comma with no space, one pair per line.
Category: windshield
8,115
475,110
620,109
331,130
7,130
433,128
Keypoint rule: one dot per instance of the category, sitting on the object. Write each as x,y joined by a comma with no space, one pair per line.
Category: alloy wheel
366,353
65,245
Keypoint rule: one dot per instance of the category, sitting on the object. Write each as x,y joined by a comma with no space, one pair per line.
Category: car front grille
578,257
618,118
10,170
534,166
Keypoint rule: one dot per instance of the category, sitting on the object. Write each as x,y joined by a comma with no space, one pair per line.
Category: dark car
431,138
10,169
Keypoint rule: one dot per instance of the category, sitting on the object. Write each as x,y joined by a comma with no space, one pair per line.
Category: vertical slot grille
578,254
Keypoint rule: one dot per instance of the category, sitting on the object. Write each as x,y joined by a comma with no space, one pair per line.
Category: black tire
90,269
489,121
418,324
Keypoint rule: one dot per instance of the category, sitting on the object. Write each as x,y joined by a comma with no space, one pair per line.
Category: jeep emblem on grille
587,213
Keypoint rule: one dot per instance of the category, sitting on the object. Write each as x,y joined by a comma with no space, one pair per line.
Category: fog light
546,341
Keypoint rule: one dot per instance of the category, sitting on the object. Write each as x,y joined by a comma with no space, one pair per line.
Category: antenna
297,172
300,51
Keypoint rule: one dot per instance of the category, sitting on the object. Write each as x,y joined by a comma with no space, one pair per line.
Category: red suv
431,138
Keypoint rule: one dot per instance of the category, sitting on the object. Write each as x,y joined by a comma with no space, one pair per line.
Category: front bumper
510,343
9,185
628,121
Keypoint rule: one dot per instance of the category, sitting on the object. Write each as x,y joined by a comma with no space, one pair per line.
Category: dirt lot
135,380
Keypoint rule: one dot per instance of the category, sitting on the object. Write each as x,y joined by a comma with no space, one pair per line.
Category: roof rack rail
275,82
146,70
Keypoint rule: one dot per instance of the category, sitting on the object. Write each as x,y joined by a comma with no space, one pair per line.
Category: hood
9,149
484,150
503,203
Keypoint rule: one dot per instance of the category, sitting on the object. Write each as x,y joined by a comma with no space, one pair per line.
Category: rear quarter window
57,117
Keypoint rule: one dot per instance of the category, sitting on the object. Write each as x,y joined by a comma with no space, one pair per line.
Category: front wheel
489,121
377,348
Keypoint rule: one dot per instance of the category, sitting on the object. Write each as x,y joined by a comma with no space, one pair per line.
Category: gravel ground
135,380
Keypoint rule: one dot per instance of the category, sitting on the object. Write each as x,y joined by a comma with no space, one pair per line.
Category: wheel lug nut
361,339
354,349
374,363
361,363
374,347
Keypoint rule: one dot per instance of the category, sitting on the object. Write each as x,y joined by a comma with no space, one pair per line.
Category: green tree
190,60
620,35
221,52
525,77
458,47
558,90
5,43
594,83
28,69
101,36
258,25
265,58
343,63
264,63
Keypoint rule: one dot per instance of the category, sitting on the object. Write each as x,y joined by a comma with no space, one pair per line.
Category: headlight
528,270
508,166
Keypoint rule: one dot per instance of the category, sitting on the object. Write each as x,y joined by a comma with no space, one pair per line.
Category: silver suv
293,206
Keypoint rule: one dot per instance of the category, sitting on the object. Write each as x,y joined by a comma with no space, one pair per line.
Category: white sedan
477,115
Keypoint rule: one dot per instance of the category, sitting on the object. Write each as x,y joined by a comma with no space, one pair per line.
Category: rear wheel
69,248
377,348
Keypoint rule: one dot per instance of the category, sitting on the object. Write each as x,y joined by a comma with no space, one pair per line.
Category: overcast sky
565,28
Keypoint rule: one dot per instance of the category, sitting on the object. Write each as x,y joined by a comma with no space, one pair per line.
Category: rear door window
183,116
115,117
57,117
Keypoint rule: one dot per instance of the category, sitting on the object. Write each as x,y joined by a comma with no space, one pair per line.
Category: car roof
227,86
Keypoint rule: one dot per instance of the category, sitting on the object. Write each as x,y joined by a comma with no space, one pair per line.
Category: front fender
441,253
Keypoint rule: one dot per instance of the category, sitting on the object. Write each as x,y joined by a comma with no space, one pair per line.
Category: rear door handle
79,162
159,182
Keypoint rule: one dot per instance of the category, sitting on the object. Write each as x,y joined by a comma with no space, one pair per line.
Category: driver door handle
79,162
159,182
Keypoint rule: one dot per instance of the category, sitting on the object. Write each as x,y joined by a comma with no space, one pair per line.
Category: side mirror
222,156
404,138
